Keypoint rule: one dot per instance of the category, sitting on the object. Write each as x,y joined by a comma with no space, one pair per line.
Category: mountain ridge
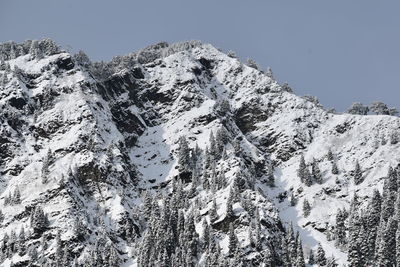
96,136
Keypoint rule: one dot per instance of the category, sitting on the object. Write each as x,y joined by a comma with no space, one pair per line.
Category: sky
340,51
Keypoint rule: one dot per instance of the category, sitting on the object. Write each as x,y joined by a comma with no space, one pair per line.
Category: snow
73,119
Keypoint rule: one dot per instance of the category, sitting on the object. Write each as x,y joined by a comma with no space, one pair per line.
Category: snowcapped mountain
178,155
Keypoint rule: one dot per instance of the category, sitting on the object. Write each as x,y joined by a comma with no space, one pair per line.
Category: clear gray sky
340,51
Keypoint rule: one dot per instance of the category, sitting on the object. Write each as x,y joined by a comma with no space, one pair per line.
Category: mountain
181,155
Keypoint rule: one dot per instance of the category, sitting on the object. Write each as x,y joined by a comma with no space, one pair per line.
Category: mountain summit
181,155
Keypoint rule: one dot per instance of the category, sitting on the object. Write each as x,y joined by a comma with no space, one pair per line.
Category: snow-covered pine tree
398,244
291,244
335,169
270,175
45,166
315,172
269,73
183,155
357,174
257,230
113,257
237,147
292,200
394,138
340,228
229,205
213,211
354,248
379,108
35,50
329,155
285,257
388,205
320,258
311,260
147,204
301,169
331,262
213,149
190,236
300,256
39,220
206,235
372,223
306,208
21,242
16,199
358,109
387,246
268,260
233,242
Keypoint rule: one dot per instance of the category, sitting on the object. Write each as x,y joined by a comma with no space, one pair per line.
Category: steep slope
134,159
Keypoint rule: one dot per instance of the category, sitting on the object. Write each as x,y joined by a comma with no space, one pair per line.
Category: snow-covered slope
99,148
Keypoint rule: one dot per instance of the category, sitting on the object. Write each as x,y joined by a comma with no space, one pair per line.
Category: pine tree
354,253
291,244
391,180
268,259
232,240
306,208
66,261
315,172
237,147
292,200
358,177
398,245
190,236
321,258
270,175
221,139
331,262
300,256
229,203
285,257
16,199
340,229
358,108
311,257
35,50
206,234
354,204
148,204
113,258
301,169
33,254
45,167
21,242
372,222
387,245
388,205
213,212
363,244
269,73
335,169
329,155
213,150
183,155
221,180
307,177
39,220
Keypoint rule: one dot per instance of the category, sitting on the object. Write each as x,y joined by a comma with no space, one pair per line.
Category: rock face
91,143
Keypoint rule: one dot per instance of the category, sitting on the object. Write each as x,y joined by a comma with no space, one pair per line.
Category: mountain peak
177,150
